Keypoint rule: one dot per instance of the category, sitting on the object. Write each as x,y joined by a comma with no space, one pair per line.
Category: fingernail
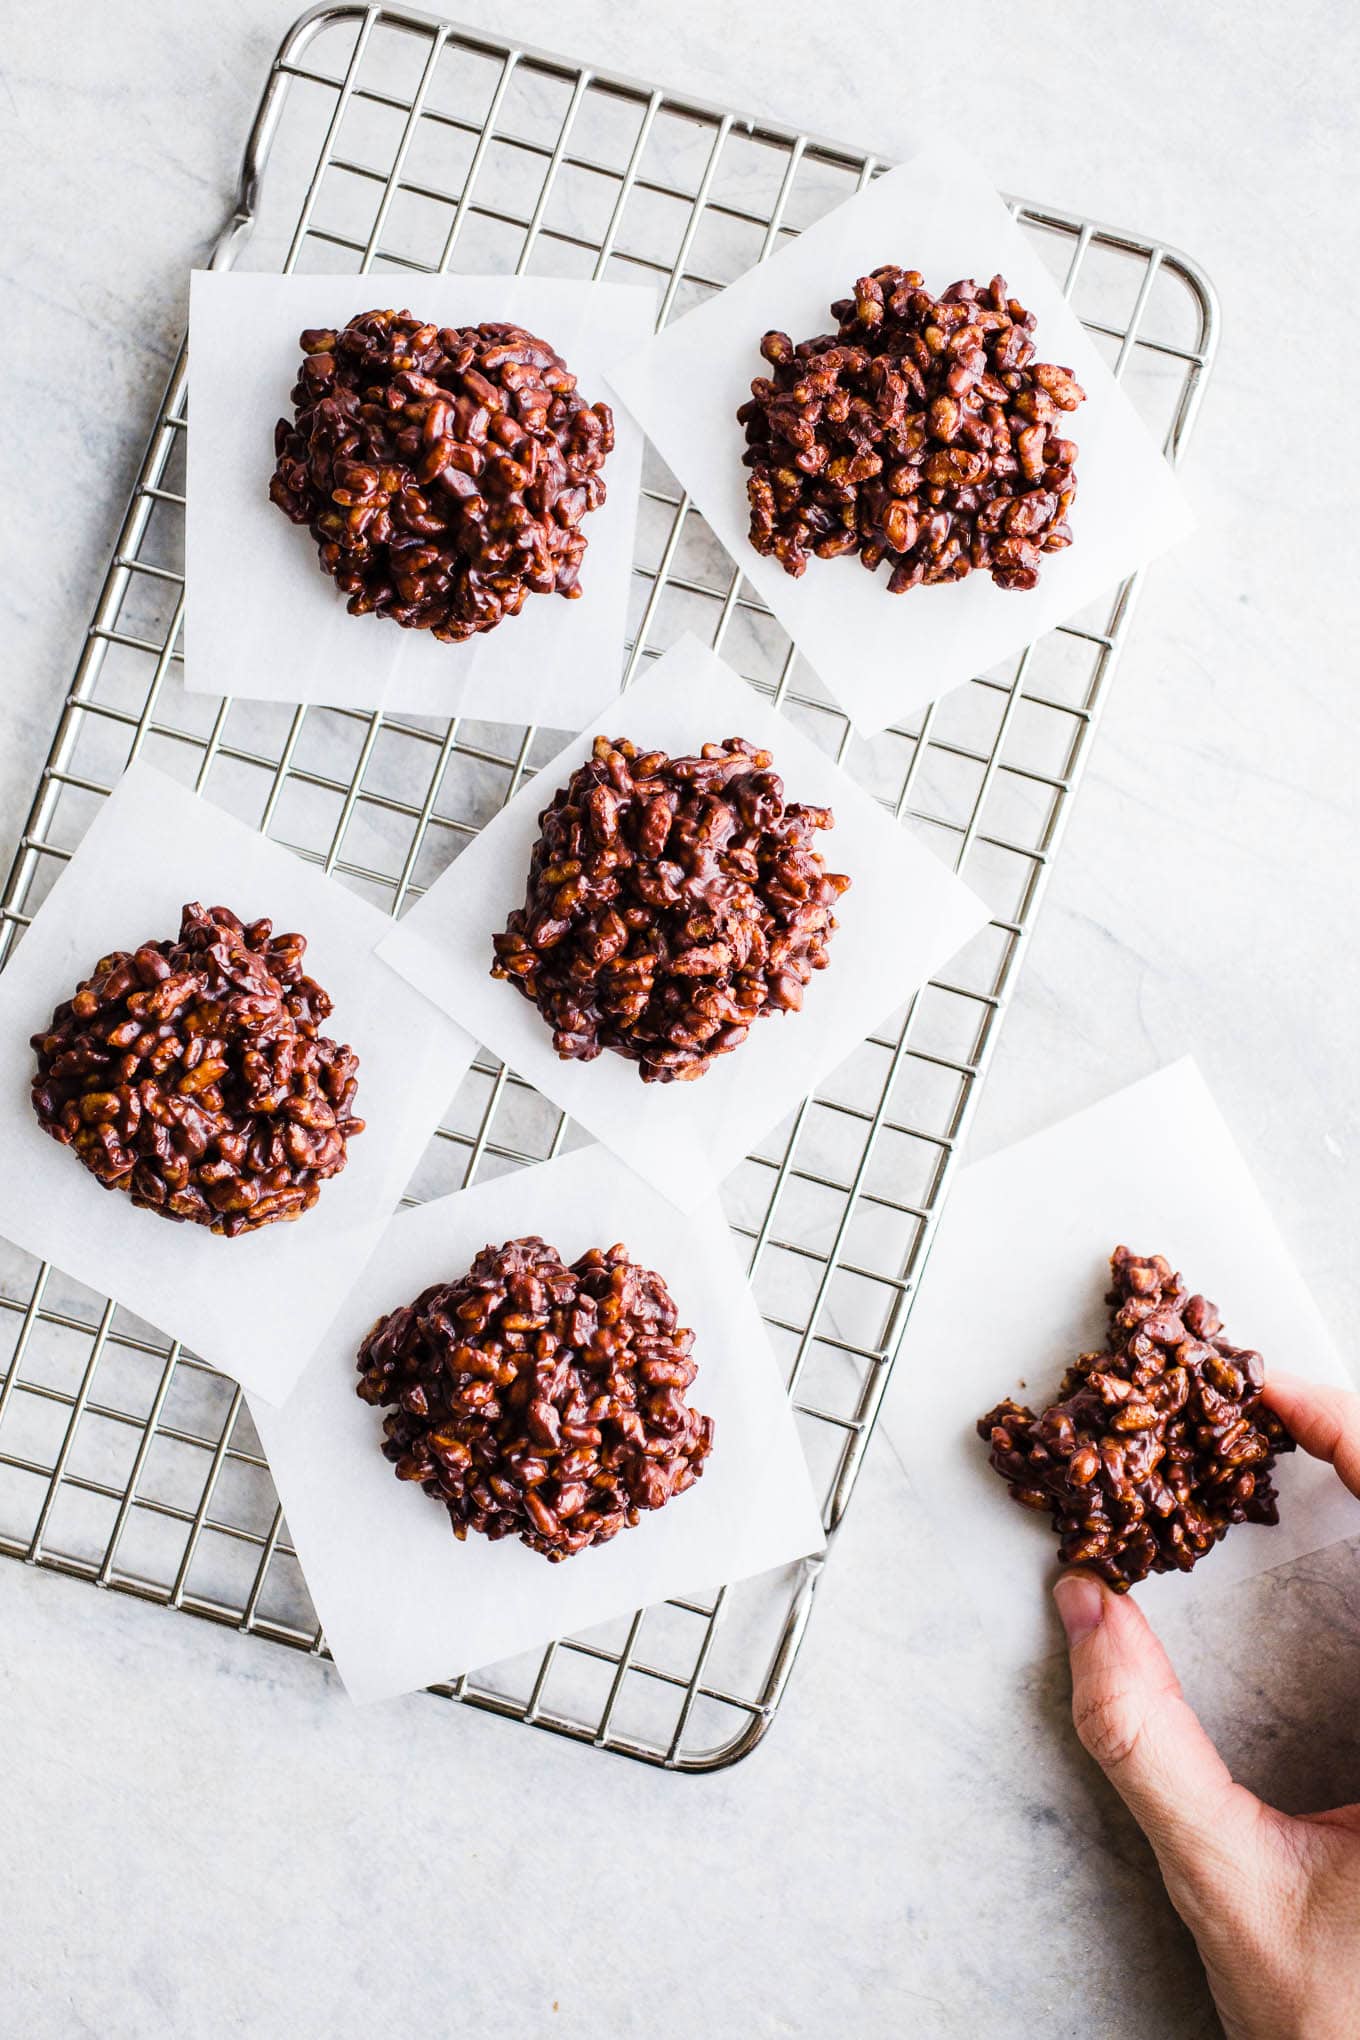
1081,1605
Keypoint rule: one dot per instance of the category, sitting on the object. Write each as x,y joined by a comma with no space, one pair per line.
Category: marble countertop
203,1836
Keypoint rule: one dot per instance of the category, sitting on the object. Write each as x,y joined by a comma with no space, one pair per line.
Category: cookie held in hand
1154,1448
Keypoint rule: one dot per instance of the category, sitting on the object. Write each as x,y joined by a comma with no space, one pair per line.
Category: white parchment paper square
883,657
253,1306
401,1601
262,620
1013,1293
902,918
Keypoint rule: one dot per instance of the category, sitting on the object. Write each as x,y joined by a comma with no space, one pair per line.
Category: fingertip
1322,1418
1298,1388
1280,1377
1081,1601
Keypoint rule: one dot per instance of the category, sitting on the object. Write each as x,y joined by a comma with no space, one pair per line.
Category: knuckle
1109,1725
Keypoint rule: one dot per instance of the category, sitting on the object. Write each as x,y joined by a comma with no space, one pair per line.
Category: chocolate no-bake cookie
538,1400
1153,1448
670,903
922,433
444,472
194,1076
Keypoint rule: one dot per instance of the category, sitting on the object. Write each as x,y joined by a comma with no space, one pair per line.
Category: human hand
1272,1899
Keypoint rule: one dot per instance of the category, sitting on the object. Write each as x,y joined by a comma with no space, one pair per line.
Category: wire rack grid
402,144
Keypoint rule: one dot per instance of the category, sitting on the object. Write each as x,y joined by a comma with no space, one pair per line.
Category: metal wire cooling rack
398,143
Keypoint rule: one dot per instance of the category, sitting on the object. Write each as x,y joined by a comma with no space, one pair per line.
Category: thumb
1131,1716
